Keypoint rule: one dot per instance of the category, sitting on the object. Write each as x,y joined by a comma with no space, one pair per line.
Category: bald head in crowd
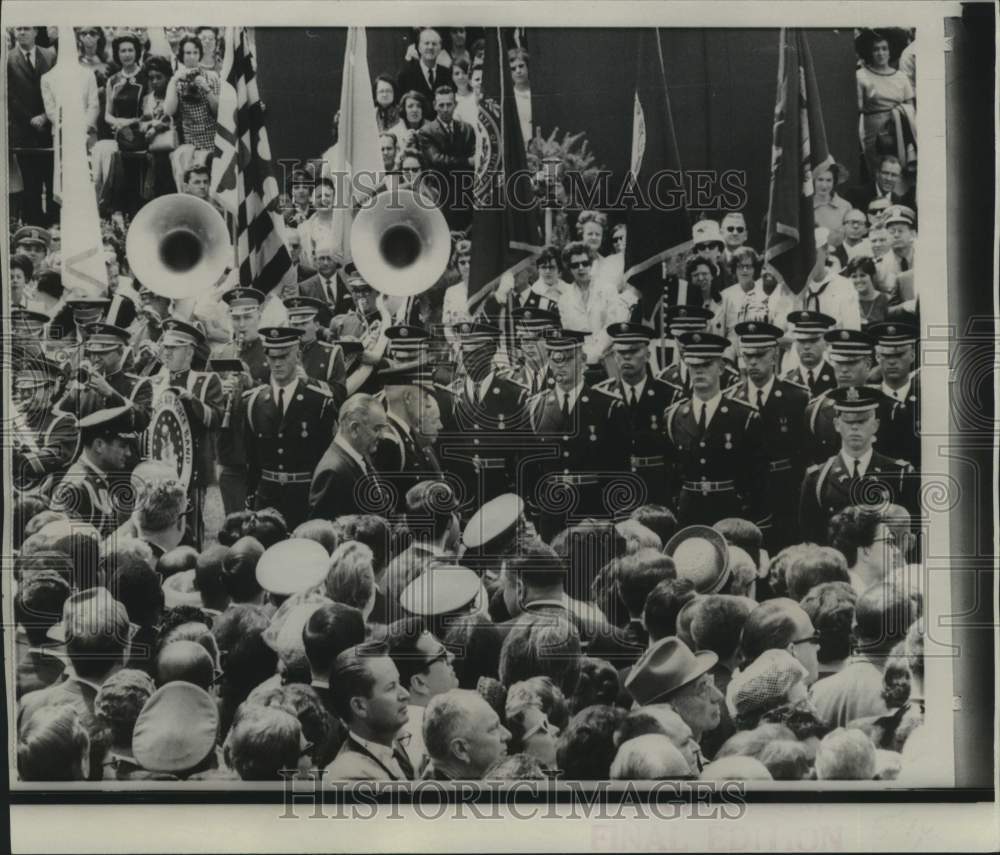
463,734
187,661
649,758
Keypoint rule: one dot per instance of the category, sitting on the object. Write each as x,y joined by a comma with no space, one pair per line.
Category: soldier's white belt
779,465
489,463
710,486
286,477
576,480
639,462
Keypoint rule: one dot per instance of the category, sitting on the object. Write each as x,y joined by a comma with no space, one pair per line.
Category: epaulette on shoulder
253,391
514,381
731,391
814,468
746,405
796,384
607,390
134,376
323,390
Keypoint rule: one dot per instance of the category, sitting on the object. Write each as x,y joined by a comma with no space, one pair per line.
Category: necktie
760,399
281,400
633,399
857,469
404,762
703,419
904,265
30,57
810,379
565,405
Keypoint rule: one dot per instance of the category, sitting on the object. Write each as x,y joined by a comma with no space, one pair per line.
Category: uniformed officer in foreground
856,474
639,406
781,405
289,425
45,440
814,370
322,361
895,350
852,353
715,446
85,491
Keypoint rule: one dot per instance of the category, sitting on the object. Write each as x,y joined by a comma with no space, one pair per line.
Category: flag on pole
798,152
357,159
660,222
84,270
506,229
243,180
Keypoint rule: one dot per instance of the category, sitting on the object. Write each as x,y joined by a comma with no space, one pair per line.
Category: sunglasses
812,639
698,247
574,265
736,229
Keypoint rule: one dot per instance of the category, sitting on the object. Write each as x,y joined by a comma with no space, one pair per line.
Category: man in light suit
30,127
424,75
370,698
335,488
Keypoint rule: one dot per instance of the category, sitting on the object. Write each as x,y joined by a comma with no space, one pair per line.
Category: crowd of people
394,539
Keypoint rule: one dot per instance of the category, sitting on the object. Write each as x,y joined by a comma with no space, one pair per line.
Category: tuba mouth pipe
178,246
400,244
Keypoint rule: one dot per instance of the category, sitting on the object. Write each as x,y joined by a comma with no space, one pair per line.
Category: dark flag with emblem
655,226
242,176
506,229
799,151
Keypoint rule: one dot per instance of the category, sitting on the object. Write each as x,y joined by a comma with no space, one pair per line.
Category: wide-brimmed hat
667,666
864,40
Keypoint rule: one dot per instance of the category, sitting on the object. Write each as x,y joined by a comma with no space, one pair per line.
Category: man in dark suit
29,126
883,187
857,474
325,285
449,145
781,406
288,424
344,481
424,75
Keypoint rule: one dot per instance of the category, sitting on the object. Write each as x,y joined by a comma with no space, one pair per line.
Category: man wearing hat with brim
529,366
200,393
289,425
678,320
85,493
443,594
856,474
247,349
714,444
35,243
781,406
829,292
813,371
670,673
357,319
851,352
901,222
322,360
571,428
707,242
45,441
490,414
405,455
896,351
640,402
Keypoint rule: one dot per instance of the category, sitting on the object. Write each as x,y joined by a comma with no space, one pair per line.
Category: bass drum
168,438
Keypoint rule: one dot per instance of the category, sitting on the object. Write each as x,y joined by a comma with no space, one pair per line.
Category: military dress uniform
677,376
823,379
781,406
893,339
323,363
720,469
43,449
283,449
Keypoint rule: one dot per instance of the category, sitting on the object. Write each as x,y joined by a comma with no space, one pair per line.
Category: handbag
165,140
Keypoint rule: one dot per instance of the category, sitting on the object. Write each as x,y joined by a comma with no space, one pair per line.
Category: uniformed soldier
490,417
358,320
856,474
27,329
529,367
34,242
200,393
322,361
813,371
640,403
851,353
246,347
289,424
86,491
781,405
45,440
715,445
895,350
576,448
405,454
69,323
678,320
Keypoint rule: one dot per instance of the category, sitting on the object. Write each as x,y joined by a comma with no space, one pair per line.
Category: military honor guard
856,474
781,406
201,395
289,424
851,353
528,365
576,451
638,409
895,351
403,457
490,417
45,440
814,371
86,491
322,361
715,446
678,320
241,365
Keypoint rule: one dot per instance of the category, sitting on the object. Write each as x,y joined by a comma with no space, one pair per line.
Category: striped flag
798,152
243,180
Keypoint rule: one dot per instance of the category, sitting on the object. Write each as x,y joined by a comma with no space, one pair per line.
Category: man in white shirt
830,293
855,227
